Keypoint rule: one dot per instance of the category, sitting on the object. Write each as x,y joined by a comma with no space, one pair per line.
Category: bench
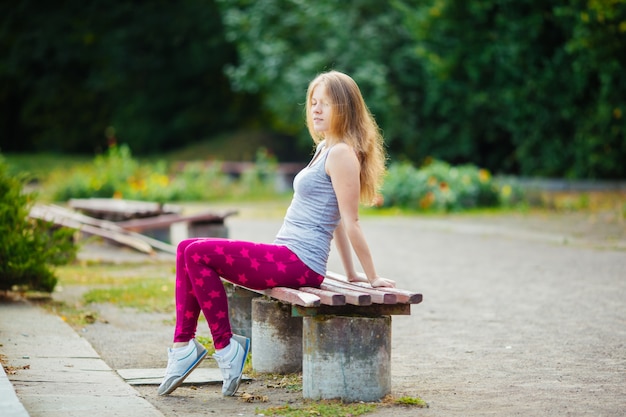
338,335
161,227
164,222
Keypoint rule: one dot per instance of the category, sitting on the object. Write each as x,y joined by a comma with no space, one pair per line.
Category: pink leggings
200,262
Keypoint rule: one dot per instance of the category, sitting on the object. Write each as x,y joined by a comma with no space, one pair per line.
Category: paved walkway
65,378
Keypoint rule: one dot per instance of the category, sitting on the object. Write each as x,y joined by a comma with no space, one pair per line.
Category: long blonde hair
352,123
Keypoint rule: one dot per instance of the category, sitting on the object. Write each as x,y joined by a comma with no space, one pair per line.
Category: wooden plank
103,228
374,310
378,295
54,211
402,296
115,236
358,298
326,297
166,220
124,208
291,296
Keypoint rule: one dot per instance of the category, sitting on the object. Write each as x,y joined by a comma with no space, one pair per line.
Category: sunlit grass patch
410,402
106,274
320,409
146,287
154,295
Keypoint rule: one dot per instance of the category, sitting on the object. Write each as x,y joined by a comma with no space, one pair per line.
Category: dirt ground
522,315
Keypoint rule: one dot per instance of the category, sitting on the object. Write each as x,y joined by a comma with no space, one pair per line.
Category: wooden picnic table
115,209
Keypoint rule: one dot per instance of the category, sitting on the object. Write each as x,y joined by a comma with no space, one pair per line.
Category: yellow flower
427,200
506,191
160,179
484,175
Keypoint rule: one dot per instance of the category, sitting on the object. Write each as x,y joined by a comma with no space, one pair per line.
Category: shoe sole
247,350
177,382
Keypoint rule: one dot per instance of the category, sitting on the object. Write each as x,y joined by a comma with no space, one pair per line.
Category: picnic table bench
154,219
338,335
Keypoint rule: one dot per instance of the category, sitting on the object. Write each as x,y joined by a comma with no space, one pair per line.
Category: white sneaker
232,364
180,363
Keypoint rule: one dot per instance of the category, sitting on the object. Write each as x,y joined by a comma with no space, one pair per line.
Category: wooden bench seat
338,335
338,296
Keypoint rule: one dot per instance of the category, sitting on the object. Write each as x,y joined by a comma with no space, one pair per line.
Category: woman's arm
345,253
343,168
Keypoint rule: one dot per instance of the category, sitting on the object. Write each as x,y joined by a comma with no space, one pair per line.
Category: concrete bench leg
277,338
240,309
346,357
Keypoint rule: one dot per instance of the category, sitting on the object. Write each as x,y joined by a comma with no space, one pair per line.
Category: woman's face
321,109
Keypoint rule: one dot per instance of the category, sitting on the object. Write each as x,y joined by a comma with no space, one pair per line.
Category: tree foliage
520,87
283,44
524,86
151,70
515,86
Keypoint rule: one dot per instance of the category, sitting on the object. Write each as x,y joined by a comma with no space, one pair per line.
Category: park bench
338,335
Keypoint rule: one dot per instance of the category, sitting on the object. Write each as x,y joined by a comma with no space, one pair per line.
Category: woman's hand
378,282
383,282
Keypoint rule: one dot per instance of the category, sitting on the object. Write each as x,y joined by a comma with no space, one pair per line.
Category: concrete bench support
277,337
240,309
346,357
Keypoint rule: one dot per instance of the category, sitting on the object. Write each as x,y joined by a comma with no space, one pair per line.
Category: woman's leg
187,307
253,265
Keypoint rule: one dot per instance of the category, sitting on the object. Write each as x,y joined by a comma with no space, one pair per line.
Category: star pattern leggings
200,262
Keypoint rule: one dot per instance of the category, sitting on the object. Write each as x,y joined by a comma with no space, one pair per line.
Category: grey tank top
313,214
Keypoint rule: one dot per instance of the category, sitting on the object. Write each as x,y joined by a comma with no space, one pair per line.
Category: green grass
320,409
153,295
111,275
411,401
147,287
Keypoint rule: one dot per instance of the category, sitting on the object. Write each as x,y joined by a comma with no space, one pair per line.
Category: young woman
346,169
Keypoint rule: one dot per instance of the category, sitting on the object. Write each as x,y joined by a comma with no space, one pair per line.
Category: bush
438,186
116,174
28,247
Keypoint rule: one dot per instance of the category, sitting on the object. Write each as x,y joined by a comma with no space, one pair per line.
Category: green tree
283,44
522,86
152,70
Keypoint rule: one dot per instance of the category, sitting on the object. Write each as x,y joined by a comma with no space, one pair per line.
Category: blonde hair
354,124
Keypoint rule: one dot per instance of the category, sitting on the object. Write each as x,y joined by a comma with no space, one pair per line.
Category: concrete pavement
58,372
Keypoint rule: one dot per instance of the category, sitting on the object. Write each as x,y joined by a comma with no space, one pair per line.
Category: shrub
29,248
438,186
116,174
